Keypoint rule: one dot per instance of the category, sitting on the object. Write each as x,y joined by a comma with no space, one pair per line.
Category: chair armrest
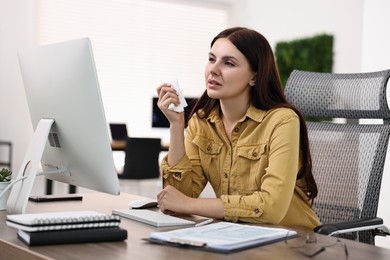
353,226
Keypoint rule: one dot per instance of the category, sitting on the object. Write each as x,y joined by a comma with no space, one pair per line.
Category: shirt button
254,154
225,175
236,129
257,211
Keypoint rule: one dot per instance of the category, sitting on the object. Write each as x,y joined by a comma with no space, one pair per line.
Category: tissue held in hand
183,103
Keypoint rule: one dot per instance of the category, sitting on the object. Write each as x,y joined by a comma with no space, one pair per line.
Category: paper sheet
183,103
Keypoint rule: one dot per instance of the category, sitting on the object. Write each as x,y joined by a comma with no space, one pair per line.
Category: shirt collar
253,113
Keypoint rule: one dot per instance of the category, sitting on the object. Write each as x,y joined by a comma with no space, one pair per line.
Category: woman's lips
213,84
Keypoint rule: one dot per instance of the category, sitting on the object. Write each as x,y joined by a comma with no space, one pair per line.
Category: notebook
154,218
61,220
71,236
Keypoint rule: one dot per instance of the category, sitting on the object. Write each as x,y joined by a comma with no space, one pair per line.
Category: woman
243,137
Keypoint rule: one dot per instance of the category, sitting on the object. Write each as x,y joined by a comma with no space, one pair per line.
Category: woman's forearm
176,146
208,207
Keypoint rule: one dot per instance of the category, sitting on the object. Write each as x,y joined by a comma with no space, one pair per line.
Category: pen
208,221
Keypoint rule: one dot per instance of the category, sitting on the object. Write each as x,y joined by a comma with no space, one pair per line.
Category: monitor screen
159,119
71,141
118,131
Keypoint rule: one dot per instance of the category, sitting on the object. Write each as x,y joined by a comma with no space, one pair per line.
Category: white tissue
182,101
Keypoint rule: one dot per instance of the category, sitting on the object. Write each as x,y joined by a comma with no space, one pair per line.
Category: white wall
15,33
376,38
287,20
360,45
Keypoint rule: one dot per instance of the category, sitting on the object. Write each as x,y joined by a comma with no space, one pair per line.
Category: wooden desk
12,251
121,146
135,248
118,145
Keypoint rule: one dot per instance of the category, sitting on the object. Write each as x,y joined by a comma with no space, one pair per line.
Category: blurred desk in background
121,146
118,145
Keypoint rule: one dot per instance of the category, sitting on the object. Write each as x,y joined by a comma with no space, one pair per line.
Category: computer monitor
71,141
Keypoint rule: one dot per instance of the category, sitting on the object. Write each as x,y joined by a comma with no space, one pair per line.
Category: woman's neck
231,112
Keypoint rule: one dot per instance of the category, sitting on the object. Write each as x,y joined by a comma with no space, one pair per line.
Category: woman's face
228,74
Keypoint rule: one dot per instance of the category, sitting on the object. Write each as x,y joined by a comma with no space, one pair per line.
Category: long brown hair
267,93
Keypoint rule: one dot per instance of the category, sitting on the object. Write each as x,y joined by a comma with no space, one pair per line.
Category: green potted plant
5,180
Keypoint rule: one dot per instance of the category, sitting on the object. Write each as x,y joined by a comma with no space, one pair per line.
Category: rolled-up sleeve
187,174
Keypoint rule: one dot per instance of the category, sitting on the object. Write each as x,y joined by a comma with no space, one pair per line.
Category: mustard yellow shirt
255,174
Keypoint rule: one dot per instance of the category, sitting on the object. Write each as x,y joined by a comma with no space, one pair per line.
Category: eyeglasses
310,244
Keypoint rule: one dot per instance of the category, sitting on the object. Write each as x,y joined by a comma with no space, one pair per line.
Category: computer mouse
143,203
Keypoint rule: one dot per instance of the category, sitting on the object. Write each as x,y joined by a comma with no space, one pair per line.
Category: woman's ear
252,82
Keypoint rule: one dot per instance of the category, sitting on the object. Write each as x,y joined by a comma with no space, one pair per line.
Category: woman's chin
213,94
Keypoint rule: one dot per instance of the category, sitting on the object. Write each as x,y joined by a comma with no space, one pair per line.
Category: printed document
222,236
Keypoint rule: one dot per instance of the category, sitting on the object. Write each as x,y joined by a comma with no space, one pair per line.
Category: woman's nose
214,69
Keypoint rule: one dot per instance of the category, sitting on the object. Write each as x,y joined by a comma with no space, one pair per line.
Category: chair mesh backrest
359,95
348,159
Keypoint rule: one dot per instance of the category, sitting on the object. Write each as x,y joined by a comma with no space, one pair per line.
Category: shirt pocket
210,157
252,162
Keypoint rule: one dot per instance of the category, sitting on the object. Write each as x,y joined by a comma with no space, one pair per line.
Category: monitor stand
21,190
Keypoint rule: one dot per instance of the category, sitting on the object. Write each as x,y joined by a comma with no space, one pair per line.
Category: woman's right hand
167,95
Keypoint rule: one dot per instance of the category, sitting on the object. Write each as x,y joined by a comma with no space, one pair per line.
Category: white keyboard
154,218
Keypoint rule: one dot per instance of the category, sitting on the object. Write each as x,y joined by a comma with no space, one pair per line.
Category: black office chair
141,158
348,158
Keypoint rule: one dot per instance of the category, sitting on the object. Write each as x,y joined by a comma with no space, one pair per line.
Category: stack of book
66,227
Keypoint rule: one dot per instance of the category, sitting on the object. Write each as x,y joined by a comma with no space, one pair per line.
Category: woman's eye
230,64
211,59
